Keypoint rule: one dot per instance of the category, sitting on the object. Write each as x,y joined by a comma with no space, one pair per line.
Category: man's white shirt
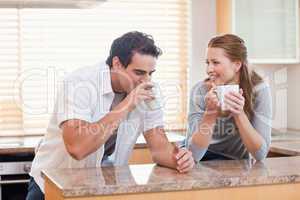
87,94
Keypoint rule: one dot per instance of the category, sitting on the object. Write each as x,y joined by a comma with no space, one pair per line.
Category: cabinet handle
2,182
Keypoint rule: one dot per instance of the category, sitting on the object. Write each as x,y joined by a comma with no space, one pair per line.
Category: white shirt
87,95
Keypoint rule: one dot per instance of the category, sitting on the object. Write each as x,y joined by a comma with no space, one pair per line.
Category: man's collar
105,79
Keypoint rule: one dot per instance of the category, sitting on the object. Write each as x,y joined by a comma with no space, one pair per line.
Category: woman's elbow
262,153
261,156
197,152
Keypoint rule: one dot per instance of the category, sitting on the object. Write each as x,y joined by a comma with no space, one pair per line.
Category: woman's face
220,69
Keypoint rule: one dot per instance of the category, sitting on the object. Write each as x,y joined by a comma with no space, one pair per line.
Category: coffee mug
222,90
155,103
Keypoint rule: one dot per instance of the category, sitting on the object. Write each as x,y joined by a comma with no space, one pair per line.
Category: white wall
285,84
276,76
283,79
203,28
293,97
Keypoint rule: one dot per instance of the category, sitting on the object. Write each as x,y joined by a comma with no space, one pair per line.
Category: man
99,115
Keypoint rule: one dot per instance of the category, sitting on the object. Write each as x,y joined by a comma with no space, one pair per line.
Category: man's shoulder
89,73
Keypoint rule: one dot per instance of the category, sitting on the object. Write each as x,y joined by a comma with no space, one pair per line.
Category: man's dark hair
130,43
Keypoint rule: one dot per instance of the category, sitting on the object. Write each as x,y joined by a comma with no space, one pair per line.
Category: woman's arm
256,135
202,136
251,138
202,118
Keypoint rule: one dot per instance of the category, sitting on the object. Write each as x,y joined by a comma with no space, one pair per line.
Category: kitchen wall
283,79
277,76
203,28
285,83
293,111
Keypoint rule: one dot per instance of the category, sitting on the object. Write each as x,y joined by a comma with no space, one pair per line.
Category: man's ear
237,65
116,63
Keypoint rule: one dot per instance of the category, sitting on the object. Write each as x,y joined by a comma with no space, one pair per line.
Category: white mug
222,90
156,103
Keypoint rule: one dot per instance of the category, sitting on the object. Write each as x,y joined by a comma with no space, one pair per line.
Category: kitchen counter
286,143
290,148
27,144
275,178
285,136
14,145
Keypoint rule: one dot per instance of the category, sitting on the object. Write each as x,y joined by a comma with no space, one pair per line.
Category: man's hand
185,160
141,93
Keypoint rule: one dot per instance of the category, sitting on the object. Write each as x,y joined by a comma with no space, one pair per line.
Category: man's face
138,71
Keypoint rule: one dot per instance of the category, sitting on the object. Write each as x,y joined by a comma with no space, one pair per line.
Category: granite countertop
27,144
287,143
152,178
282,142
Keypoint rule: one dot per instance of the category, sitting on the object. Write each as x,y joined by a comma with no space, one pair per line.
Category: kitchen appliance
14,178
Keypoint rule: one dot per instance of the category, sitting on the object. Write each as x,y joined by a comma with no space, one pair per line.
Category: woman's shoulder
261,88
262,93
200,87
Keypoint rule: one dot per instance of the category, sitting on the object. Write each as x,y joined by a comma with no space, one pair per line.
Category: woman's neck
234,80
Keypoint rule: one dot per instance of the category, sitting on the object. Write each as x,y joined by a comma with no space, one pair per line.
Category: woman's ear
237,66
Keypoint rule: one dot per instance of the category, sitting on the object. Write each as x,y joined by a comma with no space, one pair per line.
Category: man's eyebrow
139,70
143,71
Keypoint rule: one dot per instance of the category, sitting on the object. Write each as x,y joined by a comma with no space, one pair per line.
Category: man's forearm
166,157
88,137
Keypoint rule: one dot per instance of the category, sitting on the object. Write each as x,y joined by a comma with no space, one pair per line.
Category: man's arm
165,153
82,138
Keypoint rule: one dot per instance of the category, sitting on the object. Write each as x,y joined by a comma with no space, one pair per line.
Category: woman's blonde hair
235,49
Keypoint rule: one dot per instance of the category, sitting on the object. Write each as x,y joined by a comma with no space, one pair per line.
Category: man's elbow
75,152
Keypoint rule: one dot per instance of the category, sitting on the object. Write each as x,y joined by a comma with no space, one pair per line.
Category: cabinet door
269,28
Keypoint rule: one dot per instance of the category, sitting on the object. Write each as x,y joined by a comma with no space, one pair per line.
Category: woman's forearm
202,135
252,140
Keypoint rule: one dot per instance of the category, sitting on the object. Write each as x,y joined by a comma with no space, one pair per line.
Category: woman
247,129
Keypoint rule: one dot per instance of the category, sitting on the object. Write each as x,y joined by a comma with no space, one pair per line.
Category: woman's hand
212,101
235,102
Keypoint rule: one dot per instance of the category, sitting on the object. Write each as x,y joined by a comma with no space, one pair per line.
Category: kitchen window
38,47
